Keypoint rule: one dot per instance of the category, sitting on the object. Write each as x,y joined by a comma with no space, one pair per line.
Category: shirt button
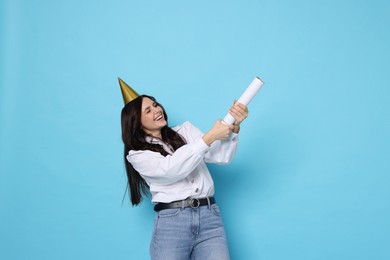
193,180
196,190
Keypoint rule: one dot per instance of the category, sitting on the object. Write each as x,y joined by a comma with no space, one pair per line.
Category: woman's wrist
208,138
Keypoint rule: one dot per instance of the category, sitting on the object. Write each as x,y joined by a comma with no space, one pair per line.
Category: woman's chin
162,123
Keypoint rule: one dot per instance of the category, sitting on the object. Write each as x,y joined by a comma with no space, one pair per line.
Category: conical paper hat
127,92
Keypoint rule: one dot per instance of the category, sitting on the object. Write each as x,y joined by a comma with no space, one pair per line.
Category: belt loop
208,202
182,204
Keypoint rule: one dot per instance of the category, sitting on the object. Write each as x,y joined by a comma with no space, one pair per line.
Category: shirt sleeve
220,152
159,169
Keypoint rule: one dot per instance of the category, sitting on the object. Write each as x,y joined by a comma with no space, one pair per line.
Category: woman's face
152,117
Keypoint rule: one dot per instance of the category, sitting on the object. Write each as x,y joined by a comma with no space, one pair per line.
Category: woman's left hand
239,112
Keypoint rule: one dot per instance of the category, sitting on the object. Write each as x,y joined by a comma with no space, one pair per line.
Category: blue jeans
189,233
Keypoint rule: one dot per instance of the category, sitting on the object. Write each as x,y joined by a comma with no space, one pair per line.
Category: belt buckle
192,204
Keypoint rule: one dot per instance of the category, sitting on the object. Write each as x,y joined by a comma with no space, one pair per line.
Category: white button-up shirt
183,173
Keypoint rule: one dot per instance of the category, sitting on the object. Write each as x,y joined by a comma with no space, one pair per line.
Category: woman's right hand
219,131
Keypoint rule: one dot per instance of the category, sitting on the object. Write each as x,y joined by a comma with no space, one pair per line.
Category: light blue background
311,176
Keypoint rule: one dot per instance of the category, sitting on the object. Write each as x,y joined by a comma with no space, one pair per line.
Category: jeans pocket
164,219
215,210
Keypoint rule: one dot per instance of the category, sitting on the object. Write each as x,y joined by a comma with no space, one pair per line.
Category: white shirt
183,173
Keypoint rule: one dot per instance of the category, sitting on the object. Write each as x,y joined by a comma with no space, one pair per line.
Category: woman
170,163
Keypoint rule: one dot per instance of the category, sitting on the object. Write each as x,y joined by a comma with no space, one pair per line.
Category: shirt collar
153,140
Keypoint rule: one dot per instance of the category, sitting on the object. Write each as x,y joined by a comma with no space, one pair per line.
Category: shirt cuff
200,146
232,136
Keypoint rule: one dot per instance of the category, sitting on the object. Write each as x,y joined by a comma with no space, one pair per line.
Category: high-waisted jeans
189,233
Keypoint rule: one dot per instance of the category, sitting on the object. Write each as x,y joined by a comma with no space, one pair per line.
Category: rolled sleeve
220,152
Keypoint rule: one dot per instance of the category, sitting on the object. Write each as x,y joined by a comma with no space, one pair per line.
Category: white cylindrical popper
245,98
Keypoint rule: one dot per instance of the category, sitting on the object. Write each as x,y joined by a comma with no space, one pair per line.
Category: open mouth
159,117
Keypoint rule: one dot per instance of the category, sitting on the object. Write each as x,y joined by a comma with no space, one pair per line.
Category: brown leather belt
187,203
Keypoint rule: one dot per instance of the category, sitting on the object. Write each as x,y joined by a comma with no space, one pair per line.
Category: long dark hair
133,137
